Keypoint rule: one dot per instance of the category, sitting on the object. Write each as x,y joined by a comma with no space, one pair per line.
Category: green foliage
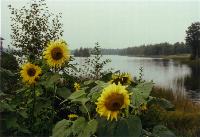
162,131
151,50
33,26
8,72
43,109
193,39
130,127
62,128
141,92
94,66
82,52
79,127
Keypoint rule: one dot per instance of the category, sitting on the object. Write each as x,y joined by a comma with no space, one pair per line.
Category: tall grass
181,101
185,120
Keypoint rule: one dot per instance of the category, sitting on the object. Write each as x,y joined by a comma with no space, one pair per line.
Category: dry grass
185,120
181,102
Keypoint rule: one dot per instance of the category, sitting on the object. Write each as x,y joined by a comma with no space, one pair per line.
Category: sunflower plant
109,109
53,102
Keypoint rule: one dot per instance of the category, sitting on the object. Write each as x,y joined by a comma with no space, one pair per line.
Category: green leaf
78,125
88,82
76,94
90,129
54,78
82,100
141,92
51,80
162,131
5,107
162,102
62,129
41,104
101,83
11,121
134,126
95,96
121,128
63,92
23,113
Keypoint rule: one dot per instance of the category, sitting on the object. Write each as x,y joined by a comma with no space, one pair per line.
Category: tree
82,52
32,27
8,72
193,39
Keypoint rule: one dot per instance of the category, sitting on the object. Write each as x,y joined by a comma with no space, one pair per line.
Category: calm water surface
164,73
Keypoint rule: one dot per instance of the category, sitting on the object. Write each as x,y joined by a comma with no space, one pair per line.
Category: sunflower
56,53
76,86
124,78
30,73
112,100
72,116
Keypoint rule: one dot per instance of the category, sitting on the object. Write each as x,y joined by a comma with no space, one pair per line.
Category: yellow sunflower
56,53
72,116
30,73
124,78
76,86
112,100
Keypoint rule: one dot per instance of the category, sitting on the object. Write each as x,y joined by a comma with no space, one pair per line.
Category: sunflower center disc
56,53
124,80
114,102
31,72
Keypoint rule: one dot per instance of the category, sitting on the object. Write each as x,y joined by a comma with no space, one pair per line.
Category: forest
151,50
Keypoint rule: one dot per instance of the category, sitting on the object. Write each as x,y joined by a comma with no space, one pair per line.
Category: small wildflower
76,86
72,116
143,107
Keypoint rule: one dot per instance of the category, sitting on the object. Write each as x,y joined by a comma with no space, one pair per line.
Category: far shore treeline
143,50
150,50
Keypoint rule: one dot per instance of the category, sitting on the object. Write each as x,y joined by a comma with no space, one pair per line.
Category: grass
182,58
181,102
185,120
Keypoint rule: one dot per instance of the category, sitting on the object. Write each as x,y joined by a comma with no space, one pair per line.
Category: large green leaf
5,107
162,102
141,92
78,125
62,129
90,129
82,100
51,80
134,126
41,104
88,82
162,131
77,94
130,127
121,129
64,92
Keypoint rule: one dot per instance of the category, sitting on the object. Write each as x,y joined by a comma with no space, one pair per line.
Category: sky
116,23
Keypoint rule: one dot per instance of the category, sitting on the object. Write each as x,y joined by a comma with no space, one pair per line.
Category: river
164,73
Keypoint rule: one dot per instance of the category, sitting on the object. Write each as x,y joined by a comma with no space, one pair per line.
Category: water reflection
165,73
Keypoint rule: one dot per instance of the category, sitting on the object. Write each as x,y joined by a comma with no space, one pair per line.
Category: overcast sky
116,23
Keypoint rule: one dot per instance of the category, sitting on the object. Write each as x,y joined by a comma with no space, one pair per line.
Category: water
165,73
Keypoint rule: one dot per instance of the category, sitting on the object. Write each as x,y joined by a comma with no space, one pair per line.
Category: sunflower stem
127,111
87,111
53,103
54,96
33,108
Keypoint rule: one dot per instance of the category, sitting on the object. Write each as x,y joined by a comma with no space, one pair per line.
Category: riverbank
182,58
185,119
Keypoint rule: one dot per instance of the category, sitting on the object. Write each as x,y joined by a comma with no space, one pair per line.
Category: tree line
82,52
151,49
